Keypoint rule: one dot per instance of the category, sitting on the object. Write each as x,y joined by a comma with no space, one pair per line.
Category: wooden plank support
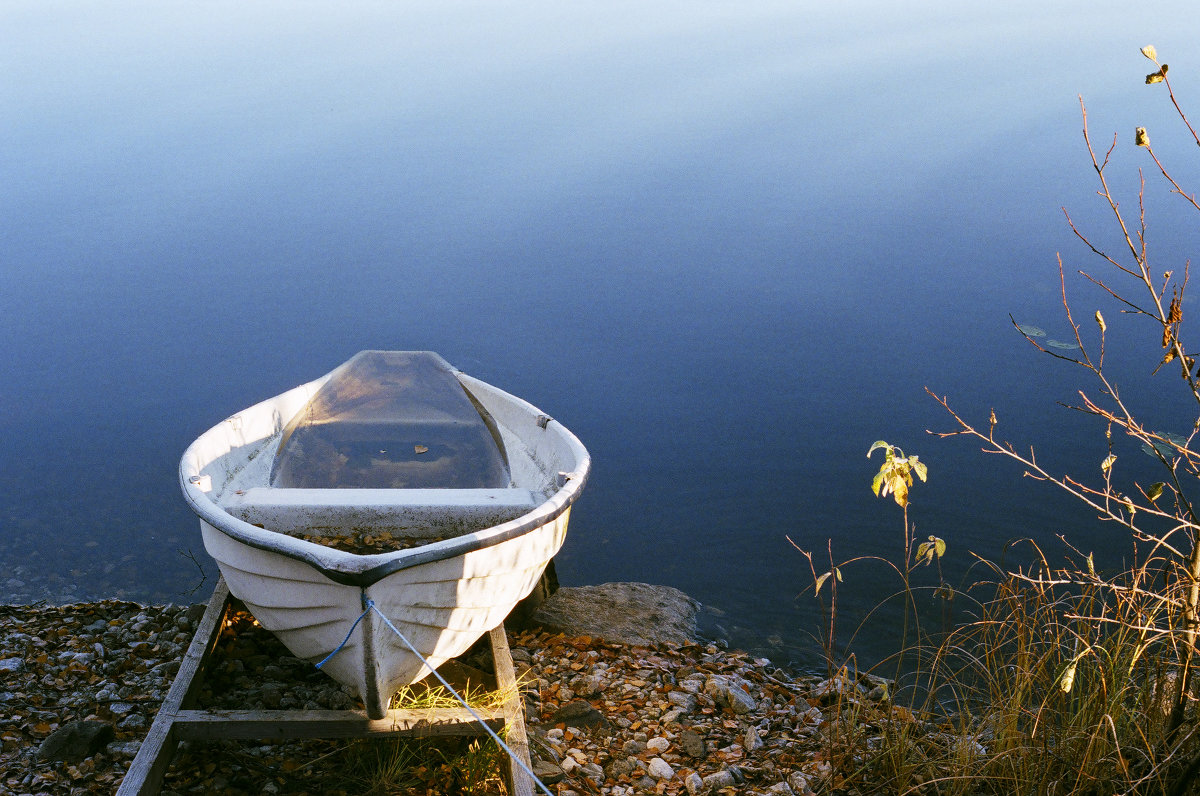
176,721
149,767
520,783
210,725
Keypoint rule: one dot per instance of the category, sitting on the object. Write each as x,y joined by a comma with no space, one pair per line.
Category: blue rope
369,605
515,758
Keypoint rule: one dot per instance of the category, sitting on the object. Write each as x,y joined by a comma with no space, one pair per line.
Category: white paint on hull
441,596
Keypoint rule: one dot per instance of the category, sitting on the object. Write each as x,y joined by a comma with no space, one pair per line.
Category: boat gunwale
361,571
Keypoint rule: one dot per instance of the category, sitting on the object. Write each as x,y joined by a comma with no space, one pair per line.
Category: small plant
1068,679
856,722
895,475
1078,681
458,765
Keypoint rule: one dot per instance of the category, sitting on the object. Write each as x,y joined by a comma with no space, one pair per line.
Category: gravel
603,718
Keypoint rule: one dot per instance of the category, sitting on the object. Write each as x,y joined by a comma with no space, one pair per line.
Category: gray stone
693,744
11,665
580,713
660,769
637,614
271,695
547,772
75,742
721,779
124,748
799,782
673,716
658,744
728,693
134,721
593,772
621,768
683,699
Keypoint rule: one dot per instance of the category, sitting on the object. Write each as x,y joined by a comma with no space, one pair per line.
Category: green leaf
918,467
1091,565
928,551
877,481
1165,442
1155,491
879,444
1062,346
1166,450
1030,331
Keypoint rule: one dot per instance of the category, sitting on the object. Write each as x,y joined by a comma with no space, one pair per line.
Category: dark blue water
727,244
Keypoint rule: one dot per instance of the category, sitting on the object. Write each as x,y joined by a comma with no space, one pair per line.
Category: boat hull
441,607
360,613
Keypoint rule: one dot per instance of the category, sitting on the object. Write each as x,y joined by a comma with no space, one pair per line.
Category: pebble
660,769
602,717
730,692
753,729
693,744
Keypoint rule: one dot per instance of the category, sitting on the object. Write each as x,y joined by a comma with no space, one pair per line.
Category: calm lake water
727,244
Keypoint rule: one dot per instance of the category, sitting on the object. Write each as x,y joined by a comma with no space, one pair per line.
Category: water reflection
727,245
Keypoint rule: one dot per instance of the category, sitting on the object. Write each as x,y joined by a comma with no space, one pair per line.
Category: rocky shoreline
659,713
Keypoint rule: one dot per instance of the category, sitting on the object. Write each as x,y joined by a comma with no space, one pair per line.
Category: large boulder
638,614
76,741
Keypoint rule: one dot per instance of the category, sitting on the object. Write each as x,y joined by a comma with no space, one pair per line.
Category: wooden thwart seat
406,512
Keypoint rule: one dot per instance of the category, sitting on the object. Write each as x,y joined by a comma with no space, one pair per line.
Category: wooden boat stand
177,720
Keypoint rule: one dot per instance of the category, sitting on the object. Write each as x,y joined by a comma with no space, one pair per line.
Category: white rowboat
392,445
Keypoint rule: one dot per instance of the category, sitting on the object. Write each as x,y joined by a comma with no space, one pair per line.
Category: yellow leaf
1100,321
1150,52
1140,138
1068,678
821,582
420,449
